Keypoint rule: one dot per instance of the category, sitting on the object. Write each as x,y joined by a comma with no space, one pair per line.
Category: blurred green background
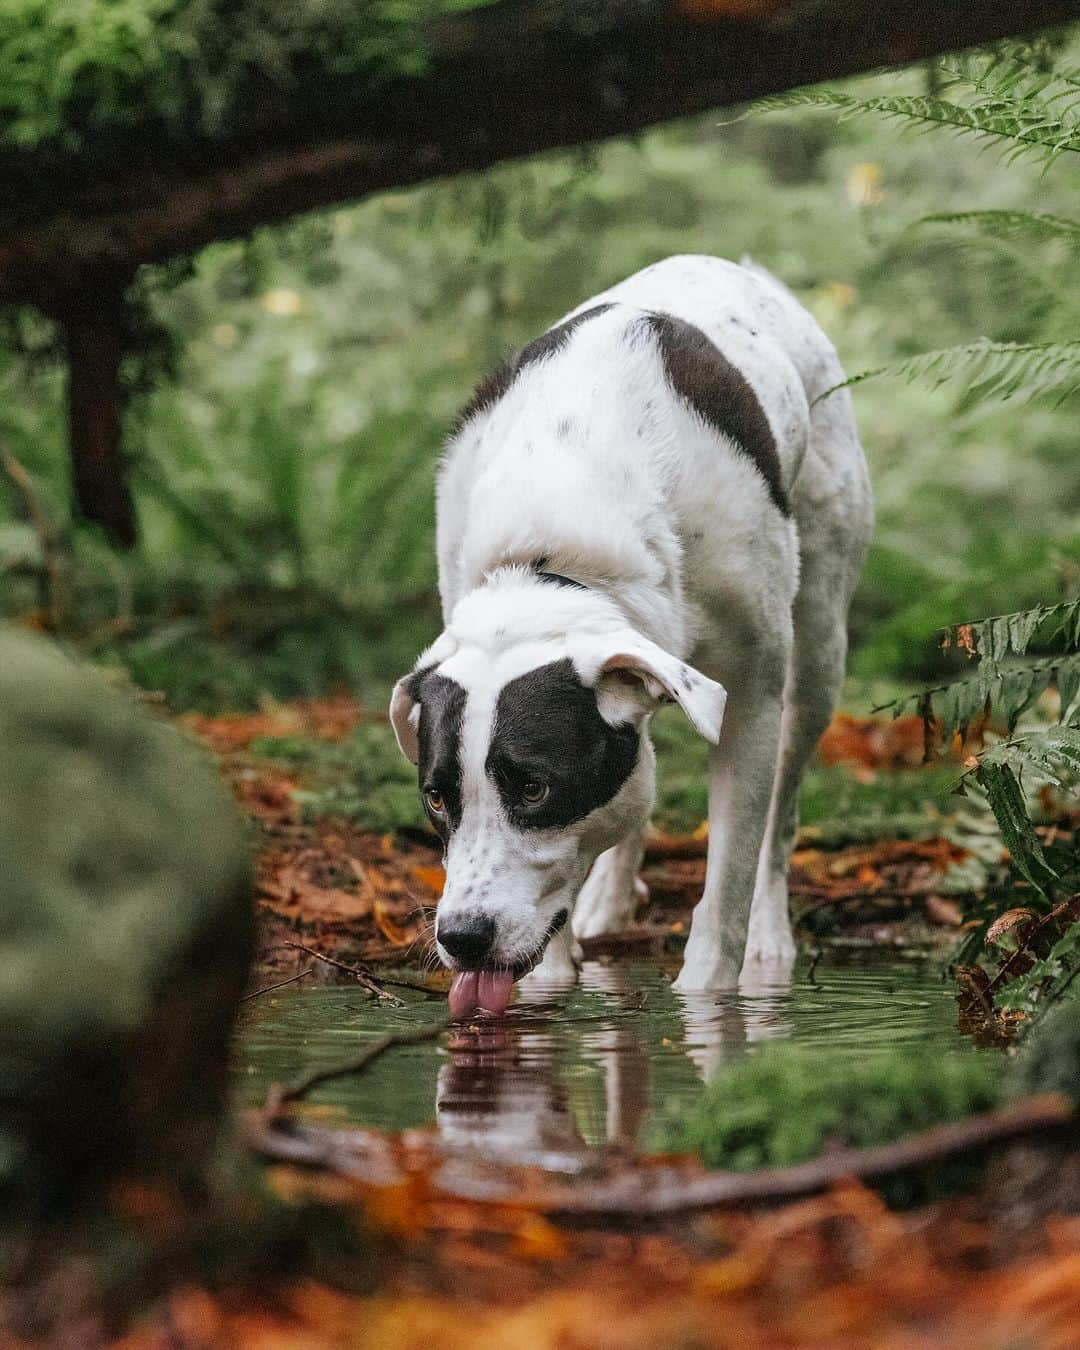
283,456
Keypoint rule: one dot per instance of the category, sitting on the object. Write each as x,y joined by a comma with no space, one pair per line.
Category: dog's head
527,722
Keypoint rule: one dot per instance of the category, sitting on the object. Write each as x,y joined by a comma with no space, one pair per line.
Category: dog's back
654,435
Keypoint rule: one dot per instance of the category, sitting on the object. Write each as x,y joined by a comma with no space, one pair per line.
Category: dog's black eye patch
442,708
548,729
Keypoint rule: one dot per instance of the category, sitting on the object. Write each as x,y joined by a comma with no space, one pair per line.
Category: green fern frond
1010,225
1006,798
1009,692
1001,635
1029,127
1053,753
1032,370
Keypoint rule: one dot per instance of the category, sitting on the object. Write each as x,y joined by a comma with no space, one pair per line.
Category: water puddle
599,1064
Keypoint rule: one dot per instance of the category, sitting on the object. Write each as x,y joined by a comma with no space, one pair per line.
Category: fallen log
642,1196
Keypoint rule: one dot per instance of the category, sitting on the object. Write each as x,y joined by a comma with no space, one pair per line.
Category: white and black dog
647,483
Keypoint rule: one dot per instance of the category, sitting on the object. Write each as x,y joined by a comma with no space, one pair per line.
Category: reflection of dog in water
502,1091
505,1091
499,1092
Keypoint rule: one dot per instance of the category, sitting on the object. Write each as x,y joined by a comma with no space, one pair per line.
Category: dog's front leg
612,890
741,769
559,966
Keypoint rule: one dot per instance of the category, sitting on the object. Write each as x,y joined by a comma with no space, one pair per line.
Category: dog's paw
707,974
558,968
775,948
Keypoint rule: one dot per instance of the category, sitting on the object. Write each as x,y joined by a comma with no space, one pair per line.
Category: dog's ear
405,715
405,700
627,670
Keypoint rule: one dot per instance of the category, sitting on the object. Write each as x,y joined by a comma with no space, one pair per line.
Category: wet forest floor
329,880
443,1252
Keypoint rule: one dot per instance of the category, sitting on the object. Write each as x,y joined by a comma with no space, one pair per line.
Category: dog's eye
534,793
435,800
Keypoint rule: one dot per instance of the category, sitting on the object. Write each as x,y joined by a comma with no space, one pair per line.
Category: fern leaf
1010,225
1006,800
1031,127
1002,370
1053,753
1052,621
1010,692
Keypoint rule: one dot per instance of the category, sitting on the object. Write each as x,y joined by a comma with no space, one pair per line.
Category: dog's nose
468,939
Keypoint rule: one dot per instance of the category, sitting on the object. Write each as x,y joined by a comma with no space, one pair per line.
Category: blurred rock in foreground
125,935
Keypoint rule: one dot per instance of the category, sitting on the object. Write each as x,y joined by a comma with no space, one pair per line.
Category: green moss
785,1105
68,70
365,778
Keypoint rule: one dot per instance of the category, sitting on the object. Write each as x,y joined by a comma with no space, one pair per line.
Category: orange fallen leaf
539,1240
434,878
389,928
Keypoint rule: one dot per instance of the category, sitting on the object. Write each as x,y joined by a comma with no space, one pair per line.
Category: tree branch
641,1197
505,80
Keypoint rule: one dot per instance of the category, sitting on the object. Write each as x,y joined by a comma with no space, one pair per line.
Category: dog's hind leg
612,890
815,674
835,518
741,771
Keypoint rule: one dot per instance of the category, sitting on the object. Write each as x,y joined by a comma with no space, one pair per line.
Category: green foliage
783,1105
992,370
283,471
1018,98
1023,225
365,778
71,69
1047,981
1007,772
1010,95
1009,688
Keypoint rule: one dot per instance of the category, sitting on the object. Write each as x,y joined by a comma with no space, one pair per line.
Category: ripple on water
560,1075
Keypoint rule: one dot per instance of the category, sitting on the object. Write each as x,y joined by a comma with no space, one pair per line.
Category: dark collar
539,567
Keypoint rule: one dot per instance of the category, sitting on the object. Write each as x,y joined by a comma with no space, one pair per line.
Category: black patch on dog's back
496,382
442,708
719,393
548,729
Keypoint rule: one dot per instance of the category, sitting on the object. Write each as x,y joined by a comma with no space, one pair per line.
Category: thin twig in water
365,972
811,970
359,973
280,985
277,1096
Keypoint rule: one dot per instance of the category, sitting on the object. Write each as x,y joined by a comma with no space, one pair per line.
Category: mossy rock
1050,1058
786,1104
125,935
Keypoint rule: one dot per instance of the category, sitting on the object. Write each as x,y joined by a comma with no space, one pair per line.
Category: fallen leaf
391,930
434,878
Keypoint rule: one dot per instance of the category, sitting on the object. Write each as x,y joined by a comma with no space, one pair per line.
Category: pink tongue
487,989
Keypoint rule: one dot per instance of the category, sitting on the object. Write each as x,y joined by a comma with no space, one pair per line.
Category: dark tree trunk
94,331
